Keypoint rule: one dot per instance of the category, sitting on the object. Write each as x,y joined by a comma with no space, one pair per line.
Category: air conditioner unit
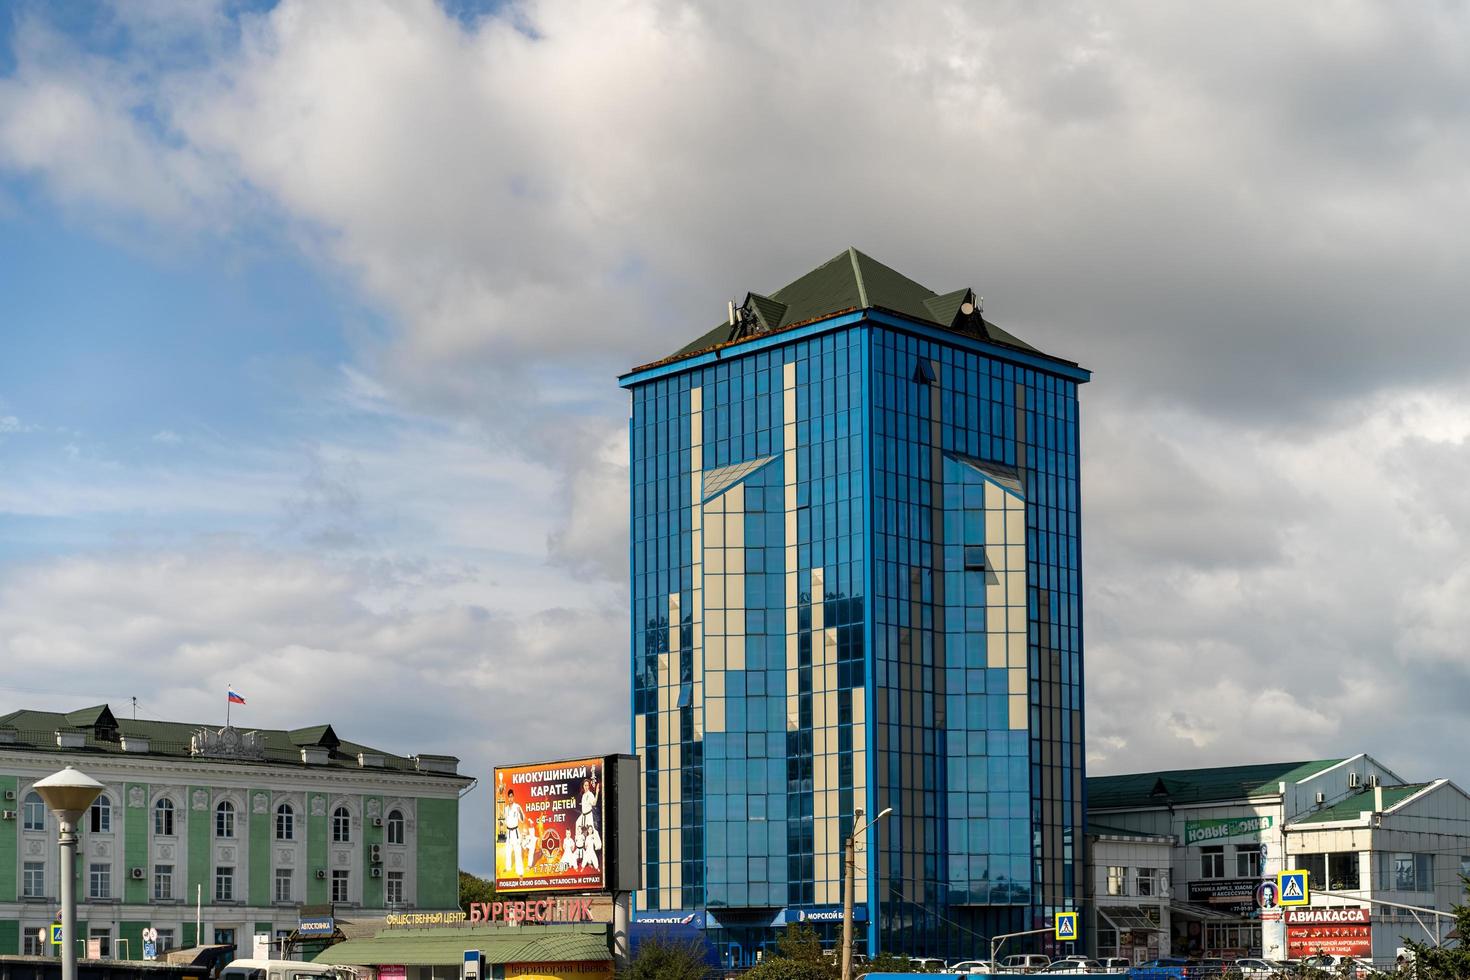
375,873
321,873
137,874
1352,780
1372,779
7,814
1321,797
377,821
375,854
10,794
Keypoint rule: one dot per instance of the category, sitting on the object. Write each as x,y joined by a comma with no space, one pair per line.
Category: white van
284,970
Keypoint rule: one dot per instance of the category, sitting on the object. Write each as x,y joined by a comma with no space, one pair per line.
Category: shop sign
550,828
1352,939
1234,895
832,913
1207,831
1314,917
316,925
580,970
695,919
540,911
424,918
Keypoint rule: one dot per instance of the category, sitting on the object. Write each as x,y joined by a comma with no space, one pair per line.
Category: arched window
102,815
224,819
285,822
163,817
395,826
341,825
35,815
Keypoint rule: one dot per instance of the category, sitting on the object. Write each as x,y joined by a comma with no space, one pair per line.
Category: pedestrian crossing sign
55,935
1065,926
1292,888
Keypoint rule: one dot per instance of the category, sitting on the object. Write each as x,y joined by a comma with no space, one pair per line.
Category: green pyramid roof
848,282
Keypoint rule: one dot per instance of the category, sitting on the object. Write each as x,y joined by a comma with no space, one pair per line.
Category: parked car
1167,968
1115,964
1250,968
927,964
1075,964
974,966
1025,963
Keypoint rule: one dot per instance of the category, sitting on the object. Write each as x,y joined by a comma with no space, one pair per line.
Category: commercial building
1376,848
856,585
248,826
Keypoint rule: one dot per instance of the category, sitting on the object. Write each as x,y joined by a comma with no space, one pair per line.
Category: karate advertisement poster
550,827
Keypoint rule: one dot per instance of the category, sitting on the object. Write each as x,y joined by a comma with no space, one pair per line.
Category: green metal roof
847,282
35,731
1146,789
446,946
1353,807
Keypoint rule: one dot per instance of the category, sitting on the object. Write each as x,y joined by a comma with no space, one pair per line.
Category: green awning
445,947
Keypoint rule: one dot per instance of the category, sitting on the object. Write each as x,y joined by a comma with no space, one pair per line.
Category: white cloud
1256,239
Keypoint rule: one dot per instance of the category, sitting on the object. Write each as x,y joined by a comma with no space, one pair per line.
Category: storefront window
1342,870
1239,938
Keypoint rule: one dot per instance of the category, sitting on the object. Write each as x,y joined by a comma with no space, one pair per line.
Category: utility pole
848,876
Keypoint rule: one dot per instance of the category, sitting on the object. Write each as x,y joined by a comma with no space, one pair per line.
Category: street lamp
68,794
850,857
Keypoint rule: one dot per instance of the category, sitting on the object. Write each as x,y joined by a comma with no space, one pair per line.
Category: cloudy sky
311,313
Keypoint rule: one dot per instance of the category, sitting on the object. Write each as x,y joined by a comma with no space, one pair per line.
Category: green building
231,828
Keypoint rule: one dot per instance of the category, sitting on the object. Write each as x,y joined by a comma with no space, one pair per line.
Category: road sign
1292,888
149,950
56,935
150,935
1065,926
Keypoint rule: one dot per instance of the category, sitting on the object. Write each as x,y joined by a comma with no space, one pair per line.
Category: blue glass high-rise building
857,584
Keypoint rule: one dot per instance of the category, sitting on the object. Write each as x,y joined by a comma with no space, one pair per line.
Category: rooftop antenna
135,708
732,313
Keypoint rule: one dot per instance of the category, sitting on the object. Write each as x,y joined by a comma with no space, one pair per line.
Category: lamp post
68,794
850,859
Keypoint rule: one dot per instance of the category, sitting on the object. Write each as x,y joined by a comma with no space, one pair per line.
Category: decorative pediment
227,743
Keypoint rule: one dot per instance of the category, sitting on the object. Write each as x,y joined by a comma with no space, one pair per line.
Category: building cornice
256,775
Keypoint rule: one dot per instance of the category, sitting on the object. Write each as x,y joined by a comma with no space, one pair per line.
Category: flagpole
227,706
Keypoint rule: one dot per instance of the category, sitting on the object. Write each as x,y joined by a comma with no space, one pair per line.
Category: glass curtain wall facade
856,585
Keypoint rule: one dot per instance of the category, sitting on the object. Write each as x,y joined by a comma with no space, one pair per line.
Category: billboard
550,827
1340,932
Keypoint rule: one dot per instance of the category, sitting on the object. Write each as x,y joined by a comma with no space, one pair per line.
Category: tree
889,963
473,888
1446,962
784,968
667,959
799,942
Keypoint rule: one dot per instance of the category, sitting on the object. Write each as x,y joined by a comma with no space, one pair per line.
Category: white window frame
224,883
1146,881
1212,862
164,815
224,820
395,826
33,879
286,876
163,882
285,821
341,825
99,880
1248,860
395,882
341,877
34,815
1117,879
99,815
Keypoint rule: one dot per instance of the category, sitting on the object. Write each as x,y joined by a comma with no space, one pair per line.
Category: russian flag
235,698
